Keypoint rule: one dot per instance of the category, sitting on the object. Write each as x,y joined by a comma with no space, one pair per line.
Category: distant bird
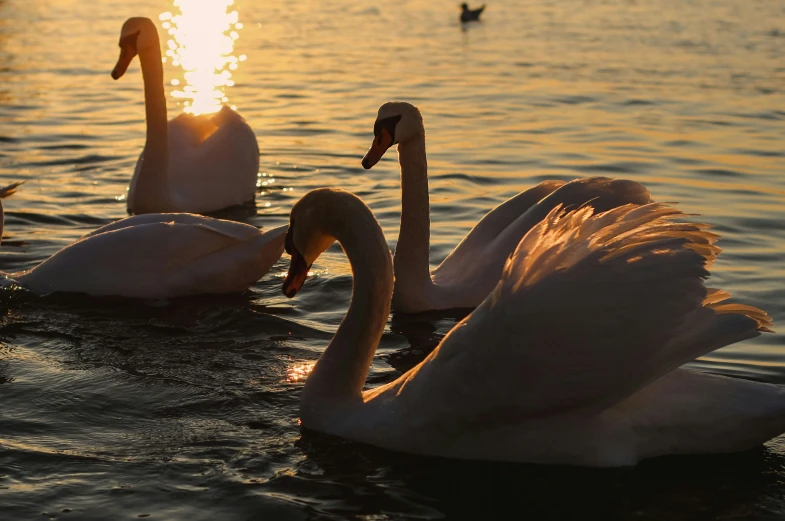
471,15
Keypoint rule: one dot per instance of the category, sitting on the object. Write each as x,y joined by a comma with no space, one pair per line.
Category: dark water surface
113,409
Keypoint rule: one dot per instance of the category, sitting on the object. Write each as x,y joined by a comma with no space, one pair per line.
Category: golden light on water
299,372
201,42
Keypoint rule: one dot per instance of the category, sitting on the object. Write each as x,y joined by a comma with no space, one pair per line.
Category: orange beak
126,55
298,269
379,146
298,272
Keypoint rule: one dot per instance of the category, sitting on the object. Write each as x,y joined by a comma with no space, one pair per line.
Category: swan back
213,162
160,256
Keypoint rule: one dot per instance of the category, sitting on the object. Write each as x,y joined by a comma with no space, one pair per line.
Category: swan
572,359
195,164
471,15
471,271
157,256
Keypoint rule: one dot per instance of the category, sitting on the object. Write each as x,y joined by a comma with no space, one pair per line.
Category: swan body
472,270
574,358
195,164
471,15
159,256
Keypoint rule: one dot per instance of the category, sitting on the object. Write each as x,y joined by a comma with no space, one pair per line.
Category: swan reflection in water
363,478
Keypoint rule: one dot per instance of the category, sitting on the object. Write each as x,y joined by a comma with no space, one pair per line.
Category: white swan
472,270
157,256
573,359
196,164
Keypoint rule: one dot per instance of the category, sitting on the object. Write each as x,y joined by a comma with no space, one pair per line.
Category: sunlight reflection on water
201,44
299,372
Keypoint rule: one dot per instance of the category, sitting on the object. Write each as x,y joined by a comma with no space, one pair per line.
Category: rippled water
187,409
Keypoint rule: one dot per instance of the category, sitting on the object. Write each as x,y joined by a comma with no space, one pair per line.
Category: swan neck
412,266
155,164
339,375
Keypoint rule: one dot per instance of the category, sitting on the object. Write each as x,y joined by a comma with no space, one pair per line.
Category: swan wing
159,260
490,226
184,131
589,309
224,165
478,263
189,131
233,138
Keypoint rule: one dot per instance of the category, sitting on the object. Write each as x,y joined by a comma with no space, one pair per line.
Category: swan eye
387,124
129,43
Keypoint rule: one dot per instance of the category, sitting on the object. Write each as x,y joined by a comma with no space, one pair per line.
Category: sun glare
299,372
201,42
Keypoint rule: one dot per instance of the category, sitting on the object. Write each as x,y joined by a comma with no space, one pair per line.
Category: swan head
396,122
320,218
311,224
137,35
464,7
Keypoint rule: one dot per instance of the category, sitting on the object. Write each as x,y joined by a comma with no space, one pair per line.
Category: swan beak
298,271
379,146
126,55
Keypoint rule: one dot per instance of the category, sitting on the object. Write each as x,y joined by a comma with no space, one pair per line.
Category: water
188,409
